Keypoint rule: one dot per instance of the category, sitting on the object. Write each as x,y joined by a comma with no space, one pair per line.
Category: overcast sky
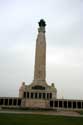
64,34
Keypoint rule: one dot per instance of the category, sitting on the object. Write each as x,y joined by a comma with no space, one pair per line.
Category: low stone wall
10,102
66,104
55,104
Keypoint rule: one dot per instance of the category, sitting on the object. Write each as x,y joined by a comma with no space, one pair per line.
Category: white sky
18,32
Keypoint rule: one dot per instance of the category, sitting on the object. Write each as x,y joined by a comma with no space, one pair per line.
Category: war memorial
38,94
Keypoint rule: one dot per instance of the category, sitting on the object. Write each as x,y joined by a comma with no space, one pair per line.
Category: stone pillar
8,101
45,95
12,101
41,95
33,95
71,104
58,103
40,55
53,104
67,104
37,95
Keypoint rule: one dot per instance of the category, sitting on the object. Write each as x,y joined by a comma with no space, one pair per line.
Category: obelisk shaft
40,56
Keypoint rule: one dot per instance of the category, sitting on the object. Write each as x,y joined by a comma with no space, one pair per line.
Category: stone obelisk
40,55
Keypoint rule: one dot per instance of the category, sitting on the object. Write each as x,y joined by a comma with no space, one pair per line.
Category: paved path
59,113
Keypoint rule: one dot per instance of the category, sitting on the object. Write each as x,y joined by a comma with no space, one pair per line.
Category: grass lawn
29,119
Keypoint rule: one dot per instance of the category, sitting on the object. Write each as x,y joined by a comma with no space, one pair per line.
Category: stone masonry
38,93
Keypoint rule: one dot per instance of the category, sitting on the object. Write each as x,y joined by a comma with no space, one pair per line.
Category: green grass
29,119
81,112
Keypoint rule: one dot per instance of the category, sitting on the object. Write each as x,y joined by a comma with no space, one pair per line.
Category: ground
35,119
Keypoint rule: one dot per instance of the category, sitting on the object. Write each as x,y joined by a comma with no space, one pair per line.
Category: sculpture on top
42,23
